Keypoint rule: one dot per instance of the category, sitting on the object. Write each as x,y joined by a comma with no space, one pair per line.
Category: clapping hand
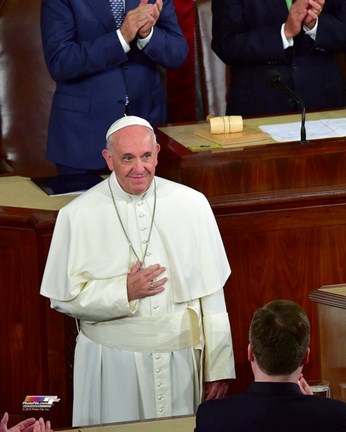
27,425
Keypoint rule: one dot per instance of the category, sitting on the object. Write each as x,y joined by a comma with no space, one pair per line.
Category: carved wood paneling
271,260
331,302
34,359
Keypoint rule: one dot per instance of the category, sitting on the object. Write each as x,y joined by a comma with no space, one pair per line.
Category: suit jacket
93,75
246,35
279,407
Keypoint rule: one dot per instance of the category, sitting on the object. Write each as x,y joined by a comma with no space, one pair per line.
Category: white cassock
144,358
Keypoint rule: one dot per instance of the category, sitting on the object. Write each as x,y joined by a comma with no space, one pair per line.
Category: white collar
119,192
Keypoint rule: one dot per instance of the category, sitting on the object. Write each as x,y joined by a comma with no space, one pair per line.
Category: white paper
315,129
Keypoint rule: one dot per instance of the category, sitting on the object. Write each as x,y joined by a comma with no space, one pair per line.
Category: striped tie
117,7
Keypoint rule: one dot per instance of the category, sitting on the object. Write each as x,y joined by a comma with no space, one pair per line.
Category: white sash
168,332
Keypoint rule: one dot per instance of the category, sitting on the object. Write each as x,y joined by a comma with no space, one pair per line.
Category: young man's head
279,337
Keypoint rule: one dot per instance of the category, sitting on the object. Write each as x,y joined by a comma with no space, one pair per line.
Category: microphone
276,81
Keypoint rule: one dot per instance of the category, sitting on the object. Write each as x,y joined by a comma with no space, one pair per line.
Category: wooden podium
331,301
281,210
265,172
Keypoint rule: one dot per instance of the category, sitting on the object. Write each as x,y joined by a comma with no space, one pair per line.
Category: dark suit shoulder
282,413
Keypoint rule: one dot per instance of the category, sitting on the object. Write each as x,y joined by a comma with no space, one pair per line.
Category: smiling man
132,153
139,261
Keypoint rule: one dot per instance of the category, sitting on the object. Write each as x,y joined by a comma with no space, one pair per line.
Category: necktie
117,7
289,4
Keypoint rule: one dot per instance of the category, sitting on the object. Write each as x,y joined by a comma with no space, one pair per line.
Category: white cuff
124,44
141,43
285,42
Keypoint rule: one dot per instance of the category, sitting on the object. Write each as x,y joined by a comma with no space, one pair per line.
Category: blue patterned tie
117,7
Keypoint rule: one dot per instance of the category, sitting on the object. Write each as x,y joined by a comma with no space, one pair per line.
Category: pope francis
138,260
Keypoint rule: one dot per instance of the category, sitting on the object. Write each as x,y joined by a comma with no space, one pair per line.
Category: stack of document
315,129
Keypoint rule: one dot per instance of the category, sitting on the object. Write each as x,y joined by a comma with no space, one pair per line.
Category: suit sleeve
249,32
76,43
208,416
168,46
71,49
331,31
244,32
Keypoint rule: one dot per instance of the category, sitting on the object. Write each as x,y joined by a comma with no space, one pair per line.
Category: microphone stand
303,139
277,82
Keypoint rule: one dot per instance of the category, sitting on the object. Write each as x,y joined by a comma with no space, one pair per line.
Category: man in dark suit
279,399
259,39
103,71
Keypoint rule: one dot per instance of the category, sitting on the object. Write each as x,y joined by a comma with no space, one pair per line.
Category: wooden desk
175,424
331,301
261,169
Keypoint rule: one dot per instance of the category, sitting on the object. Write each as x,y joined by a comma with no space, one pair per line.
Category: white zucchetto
127,121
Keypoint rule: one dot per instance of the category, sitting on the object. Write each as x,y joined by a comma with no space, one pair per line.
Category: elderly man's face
132,155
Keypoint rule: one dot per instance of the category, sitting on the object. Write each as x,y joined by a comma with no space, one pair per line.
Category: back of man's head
280,336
